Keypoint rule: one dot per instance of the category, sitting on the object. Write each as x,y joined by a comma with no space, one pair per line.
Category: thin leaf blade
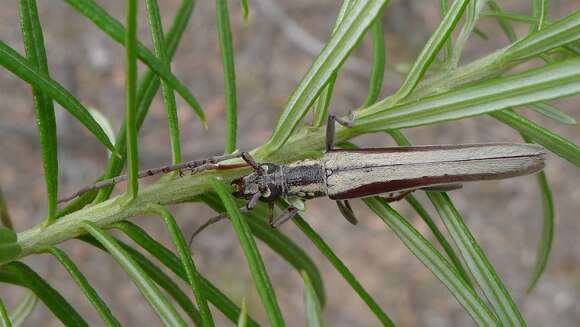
19,66
193,276
255,263
480,267
44,108
84,285
164,309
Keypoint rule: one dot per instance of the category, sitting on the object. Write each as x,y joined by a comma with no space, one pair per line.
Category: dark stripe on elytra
415,183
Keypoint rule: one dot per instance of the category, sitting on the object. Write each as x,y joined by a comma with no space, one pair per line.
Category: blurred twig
301,37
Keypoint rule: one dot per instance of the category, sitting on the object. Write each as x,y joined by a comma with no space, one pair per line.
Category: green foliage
436,89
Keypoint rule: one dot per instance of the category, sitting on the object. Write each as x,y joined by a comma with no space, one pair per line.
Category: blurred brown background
273,50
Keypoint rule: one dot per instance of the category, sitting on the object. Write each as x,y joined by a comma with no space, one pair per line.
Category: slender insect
392,172
340,174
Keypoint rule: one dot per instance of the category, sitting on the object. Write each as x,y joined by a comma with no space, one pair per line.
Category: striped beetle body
346,174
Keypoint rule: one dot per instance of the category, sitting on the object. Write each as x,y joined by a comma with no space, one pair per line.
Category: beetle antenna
250,161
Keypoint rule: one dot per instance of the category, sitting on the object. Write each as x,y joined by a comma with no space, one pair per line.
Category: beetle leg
397,196
347,211
270,213
330,132
253,201
330,128
284,217
250,161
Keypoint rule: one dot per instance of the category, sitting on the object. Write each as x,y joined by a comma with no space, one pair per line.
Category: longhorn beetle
340,174
393,172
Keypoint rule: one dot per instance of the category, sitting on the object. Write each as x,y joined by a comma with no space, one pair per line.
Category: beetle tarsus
347,211
397,196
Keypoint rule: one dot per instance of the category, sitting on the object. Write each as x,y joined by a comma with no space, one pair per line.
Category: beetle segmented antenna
194,166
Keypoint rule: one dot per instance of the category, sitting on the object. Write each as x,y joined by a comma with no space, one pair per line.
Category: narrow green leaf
512,16
245,9
20,67
227,56
320,114
480,267
540,12
473,10
502,21
378,64
413,202
561,32
20,274
104,122
547,238
429,52
43,106
5,219
342,269
255,263
313,310
434,261
172,262
4,319
131,98
158,276
9,247
84,285
154,18
322,103
553,113
243,318
116,31
448,47
277,241
477,31
539,84
24,308
146,90
327,62
193,276
552,141
150,291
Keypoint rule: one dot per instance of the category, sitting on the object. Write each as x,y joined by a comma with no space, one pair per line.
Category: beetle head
245,187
